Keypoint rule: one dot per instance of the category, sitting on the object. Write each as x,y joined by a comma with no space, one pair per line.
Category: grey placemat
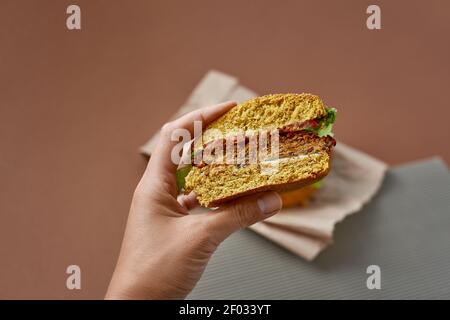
405,230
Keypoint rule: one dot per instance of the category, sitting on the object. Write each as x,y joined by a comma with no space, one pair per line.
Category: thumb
243,213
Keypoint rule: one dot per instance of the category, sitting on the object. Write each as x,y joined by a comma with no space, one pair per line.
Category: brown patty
290,144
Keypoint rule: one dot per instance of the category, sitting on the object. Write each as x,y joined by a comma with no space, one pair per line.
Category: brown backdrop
76,105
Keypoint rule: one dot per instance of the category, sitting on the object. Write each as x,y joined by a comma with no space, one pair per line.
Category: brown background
76,105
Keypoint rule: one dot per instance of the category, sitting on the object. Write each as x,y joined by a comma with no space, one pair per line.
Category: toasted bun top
267,112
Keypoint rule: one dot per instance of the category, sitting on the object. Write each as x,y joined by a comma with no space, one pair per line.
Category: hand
165,249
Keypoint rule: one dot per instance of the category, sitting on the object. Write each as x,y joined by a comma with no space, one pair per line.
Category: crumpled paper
354,179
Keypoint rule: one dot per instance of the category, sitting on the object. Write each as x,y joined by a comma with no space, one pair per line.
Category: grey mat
405,230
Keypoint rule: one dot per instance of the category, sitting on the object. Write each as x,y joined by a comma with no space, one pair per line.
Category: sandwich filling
290,144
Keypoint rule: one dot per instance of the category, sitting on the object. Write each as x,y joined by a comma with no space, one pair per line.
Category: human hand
165,249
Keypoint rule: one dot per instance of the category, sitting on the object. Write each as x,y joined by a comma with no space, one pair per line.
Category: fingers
243,213
161,156
189,201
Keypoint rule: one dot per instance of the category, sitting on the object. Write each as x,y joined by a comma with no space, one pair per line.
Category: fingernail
269,203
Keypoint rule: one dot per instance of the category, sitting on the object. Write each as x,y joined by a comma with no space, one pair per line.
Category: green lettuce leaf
317,184
325,127
181,177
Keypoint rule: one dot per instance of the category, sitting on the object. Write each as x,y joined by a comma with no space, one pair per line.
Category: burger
298,132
